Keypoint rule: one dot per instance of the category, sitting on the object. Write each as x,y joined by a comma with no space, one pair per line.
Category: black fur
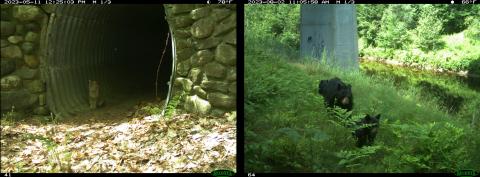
366,135
337,93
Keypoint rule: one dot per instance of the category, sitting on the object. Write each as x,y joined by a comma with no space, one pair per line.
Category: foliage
288,128
9,117
394,25
473,31
454,16
368,19
173,103
280,22
427,33
438,148
424,36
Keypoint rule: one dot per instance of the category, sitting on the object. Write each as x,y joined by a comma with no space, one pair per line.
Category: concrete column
330,28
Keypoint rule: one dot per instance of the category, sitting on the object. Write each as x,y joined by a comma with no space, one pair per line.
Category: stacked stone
21,85
205,37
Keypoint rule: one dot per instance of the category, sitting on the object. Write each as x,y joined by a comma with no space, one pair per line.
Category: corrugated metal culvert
119,46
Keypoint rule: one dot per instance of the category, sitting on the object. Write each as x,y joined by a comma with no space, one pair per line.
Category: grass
458,55
288,129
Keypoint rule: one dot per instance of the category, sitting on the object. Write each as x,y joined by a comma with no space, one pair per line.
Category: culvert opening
119,46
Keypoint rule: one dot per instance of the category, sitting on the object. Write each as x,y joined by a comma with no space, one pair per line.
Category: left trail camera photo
118,88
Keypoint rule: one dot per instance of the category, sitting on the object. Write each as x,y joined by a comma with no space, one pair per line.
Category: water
450,90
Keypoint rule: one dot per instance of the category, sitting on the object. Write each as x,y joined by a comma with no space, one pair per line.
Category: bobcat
94,94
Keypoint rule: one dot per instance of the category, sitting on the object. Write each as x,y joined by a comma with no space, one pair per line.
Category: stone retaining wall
205,37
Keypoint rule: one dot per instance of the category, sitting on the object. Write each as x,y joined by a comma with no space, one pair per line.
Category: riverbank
417,66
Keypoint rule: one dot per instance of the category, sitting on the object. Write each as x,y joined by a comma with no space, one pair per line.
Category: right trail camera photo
379,88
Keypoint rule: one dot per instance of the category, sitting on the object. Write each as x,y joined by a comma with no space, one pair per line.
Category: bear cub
337,93
366,135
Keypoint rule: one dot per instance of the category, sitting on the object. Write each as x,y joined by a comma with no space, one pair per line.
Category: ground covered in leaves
182,143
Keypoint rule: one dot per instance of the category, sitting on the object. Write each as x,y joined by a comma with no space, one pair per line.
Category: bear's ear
349,86
378,116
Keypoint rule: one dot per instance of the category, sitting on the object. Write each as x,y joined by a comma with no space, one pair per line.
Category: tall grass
288,128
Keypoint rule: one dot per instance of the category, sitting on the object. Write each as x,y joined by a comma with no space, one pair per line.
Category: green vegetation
288,128
438,36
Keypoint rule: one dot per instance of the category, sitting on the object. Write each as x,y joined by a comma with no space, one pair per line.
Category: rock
184,54
11,82
20,29
35,86
197,90
26,12
31,36
182,21
182,44
226,54
232,74
8,66
221,100
185,83
28,47
12,51
4,43
41,110
181,8
221,13
15,39
232,116
5,15
207,43
231,38
226,25
21,99
200,5
49,8
182,33
26,73
203,57
195,75
217,112
233,88
5,6
200,12
215,70
183,68
202,28
215,86
31,61
197,105
41,100
32,26
7,28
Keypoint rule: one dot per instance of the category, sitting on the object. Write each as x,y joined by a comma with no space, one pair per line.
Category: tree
394,26
427,35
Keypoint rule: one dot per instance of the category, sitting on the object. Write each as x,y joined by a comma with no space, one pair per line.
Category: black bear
366,135
337,93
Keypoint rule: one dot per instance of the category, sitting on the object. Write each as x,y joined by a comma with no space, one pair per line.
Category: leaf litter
153,144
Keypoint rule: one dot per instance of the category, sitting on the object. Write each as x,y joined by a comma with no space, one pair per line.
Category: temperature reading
251,174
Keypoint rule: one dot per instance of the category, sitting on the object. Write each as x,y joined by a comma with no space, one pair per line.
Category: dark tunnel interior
120,46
